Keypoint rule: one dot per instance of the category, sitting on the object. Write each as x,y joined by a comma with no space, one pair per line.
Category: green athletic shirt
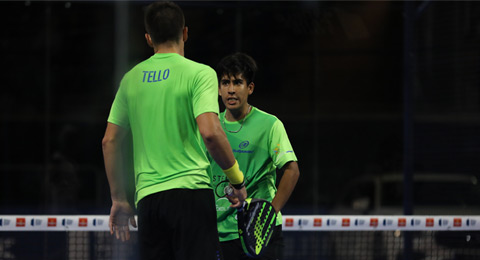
260,147
159,100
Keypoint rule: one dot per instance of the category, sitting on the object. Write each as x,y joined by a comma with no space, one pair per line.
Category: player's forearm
223,155
113,166
286,185
220,150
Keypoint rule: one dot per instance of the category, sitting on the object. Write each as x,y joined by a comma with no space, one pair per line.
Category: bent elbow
209,137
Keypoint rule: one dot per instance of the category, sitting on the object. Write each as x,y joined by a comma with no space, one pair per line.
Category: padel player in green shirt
169,105
260,145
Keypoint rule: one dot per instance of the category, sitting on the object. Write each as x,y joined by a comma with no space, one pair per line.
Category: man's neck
169,48
236,115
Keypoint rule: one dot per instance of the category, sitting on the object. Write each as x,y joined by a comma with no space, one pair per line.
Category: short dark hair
235,64
164,21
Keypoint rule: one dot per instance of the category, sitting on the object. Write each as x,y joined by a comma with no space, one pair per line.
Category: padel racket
256,221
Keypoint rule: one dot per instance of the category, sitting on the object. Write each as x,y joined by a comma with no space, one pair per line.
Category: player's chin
232,107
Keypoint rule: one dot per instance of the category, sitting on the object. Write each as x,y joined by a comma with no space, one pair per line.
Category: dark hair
235,64
164,21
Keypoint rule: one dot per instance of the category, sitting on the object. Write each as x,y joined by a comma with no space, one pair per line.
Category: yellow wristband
234,175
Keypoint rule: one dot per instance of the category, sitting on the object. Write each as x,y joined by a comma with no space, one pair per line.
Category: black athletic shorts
178,224
232,250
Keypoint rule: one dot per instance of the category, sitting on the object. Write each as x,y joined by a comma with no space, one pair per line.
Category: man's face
234,92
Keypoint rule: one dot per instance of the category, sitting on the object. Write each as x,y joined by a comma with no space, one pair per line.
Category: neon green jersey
260,147
159,100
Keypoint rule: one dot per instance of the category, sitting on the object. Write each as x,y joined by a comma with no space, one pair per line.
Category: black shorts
232,250
178,224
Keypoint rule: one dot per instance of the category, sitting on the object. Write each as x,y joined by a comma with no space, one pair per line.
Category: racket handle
244,205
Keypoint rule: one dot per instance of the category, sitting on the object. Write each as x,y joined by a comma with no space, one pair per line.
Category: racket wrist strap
235,176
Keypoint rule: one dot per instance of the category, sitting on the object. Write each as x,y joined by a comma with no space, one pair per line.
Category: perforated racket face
255,223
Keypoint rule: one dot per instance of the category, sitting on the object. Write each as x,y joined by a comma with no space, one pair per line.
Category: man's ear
149,40
251,87
185,34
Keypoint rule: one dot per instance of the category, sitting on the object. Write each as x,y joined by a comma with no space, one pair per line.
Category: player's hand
237,197
120,214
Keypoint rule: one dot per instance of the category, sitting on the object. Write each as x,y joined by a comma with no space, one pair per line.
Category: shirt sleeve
119,111
281,150
205,92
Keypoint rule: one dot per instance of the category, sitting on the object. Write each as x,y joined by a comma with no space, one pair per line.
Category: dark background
363,88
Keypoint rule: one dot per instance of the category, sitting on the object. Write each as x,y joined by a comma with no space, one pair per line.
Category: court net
306,237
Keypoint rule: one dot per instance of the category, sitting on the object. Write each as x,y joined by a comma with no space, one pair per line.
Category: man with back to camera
260,145
169,104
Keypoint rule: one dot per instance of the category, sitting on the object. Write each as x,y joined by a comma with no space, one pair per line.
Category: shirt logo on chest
243,144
